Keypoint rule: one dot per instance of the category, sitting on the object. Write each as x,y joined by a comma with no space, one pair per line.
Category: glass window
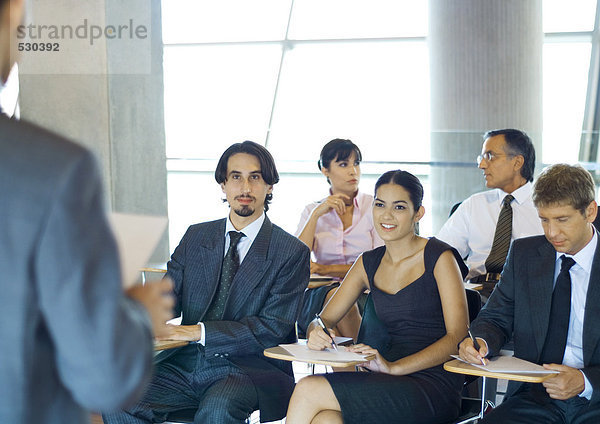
202,21
217,95
566,67
193,197
374,93
326,19
569,16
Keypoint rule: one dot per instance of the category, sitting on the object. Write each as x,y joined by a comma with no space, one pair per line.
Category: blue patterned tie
560,312
231,263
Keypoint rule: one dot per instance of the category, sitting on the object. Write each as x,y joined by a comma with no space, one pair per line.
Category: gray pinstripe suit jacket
520,305
69,339
262,307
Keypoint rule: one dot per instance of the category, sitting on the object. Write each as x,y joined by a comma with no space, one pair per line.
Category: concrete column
486,73
105,93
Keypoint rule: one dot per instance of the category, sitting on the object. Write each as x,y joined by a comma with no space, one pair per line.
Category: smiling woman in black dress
419,296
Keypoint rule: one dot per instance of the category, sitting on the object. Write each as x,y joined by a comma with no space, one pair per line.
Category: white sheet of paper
137,237
510,364
303,353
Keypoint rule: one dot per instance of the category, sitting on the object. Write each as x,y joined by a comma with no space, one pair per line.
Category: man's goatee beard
244,211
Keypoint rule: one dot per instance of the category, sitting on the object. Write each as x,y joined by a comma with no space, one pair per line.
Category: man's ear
270,190
519,162
591,211
222,187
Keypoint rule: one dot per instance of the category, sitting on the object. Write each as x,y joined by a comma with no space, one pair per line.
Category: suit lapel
591,329
251,270
209,256
540,284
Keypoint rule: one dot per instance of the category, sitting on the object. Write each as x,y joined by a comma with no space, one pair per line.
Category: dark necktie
497,257
560,311
231,263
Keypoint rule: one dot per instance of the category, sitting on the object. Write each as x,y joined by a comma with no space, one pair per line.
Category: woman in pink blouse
337,229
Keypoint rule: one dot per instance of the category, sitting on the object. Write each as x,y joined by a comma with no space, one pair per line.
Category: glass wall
294,74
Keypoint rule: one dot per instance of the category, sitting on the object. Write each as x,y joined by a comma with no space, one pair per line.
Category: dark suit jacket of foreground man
69,339
521,303
262,308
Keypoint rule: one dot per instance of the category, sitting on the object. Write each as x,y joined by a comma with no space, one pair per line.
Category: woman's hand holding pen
318,339
467,351
378,364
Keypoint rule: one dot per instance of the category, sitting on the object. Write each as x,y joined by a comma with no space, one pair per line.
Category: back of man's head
561,185
518,143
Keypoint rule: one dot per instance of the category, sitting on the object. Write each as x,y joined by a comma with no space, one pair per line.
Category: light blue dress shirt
250,232
580,280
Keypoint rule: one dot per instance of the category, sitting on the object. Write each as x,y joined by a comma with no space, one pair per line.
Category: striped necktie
497,257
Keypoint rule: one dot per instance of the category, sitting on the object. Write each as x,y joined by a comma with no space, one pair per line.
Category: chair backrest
473,303
454,208
372,331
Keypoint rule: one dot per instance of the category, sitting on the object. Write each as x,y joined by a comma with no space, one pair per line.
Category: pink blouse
333,245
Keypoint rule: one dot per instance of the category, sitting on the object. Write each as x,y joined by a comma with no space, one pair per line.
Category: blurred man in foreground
71,341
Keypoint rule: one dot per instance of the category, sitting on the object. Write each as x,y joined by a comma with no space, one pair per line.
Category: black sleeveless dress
414,319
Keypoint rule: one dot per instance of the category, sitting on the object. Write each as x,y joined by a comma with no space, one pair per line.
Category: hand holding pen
475,344
322,325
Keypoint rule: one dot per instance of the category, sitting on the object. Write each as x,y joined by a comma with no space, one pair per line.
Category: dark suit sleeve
494,323
175,271
275,320
102,339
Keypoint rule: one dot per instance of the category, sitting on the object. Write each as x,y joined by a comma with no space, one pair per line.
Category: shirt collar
585,257
251,230
521,195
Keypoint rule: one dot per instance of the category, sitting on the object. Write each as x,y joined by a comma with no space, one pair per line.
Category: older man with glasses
484,225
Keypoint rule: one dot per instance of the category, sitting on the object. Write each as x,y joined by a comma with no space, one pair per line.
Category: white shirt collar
585,257
251,230
521,195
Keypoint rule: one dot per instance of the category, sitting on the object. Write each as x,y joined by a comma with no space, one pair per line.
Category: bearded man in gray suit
239,283
70,341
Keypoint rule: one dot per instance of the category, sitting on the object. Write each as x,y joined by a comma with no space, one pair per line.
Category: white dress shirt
471,228
250,232
580,280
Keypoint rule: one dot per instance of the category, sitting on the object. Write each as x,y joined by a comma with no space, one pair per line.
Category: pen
322,324
475,344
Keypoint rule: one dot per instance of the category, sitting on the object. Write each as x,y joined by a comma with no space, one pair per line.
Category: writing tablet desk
320,280
278,352
460,367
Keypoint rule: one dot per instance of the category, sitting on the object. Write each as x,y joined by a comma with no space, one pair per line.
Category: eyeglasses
489,156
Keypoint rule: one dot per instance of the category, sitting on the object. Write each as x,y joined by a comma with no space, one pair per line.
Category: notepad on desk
301,352
510,365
